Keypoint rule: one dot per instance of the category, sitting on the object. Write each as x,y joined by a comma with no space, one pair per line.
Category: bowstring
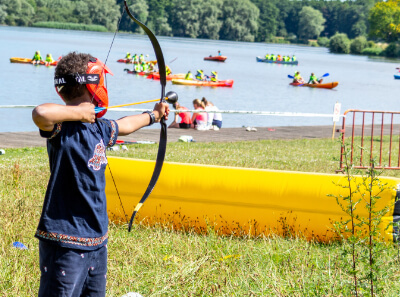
104,65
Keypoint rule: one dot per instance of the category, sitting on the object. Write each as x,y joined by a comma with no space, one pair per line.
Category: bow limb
163,134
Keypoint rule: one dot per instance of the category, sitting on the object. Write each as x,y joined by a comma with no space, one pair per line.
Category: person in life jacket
150,67
49,58
219,53
167,70
214,76
144,66
200,75
141,58
294,58
135,58
267,56
189,75
137,67
314,80
273,57
128,56
298,78
37,58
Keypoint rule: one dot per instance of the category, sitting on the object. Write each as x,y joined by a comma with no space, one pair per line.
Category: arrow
171,98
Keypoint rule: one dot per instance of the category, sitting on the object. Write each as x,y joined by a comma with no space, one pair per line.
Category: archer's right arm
45,116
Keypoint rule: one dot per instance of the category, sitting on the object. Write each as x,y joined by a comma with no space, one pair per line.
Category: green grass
70,26
159,261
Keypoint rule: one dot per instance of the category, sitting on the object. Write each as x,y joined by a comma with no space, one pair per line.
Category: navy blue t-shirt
74,213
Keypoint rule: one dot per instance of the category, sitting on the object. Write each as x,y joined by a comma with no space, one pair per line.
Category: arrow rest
171,97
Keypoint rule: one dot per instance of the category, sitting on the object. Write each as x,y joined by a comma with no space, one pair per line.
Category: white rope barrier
268,113
265,113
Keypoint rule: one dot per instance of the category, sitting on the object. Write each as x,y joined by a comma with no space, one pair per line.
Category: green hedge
372,51
70,26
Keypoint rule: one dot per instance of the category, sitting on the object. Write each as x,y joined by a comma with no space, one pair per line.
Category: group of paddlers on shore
274,57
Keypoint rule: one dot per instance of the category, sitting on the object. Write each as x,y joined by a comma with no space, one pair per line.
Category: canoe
29,61
330,85
241,201
127,61
221,83
397,76
216,58
138,73
156,76
259,59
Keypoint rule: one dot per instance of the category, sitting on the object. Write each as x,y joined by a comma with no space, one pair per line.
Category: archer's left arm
130,124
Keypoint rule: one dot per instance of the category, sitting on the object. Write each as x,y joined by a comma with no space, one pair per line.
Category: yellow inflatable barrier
239,200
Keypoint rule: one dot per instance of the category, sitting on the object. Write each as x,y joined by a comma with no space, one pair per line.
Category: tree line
237,20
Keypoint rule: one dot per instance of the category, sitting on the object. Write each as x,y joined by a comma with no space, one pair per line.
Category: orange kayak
156,76
29,61
216,58
221,83
330,85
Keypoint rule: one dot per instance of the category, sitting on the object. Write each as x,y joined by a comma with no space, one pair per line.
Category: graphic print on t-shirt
99,156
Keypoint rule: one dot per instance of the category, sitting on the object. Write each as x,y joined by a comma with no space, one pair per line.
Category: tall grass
159,261
70,26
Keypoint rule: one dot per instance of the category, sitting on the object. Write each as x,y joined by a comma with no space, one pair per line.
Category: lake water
364,83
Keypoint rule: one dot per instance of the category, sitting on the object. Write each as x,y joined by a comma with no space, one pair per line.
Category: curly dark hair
73,63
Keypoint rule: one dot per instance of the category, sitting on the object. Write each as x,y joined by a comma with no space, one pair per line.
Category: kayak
330,85
397,76
138,73
156,76
259,59
216,58
220,83
29,61
127,61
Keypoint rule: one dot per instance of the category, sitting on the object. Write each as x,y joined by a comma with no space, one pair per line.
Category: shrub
323,41
358,44
339,43
392,50
371,43
372,51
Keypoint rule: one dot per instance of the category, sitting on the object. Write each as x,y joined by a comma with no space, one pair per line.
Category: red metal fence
374,138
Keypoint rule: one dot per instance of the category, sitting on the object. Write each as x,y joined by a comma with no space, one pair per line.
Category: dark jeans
70,272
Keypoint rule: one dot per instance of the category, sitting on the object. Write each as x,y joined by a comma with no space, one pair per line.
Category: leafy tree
339,43
311,23
384,20
104,12
17,12
210,19
140,10
158,16
240,20
358,44
186,19
3,13
268,21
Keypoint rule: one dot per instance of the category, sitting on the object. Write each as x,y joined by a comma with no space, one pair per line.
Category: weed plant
160,261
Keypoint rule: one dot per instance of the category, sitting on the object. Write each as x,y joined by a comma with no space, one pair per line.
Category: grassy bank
161,262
